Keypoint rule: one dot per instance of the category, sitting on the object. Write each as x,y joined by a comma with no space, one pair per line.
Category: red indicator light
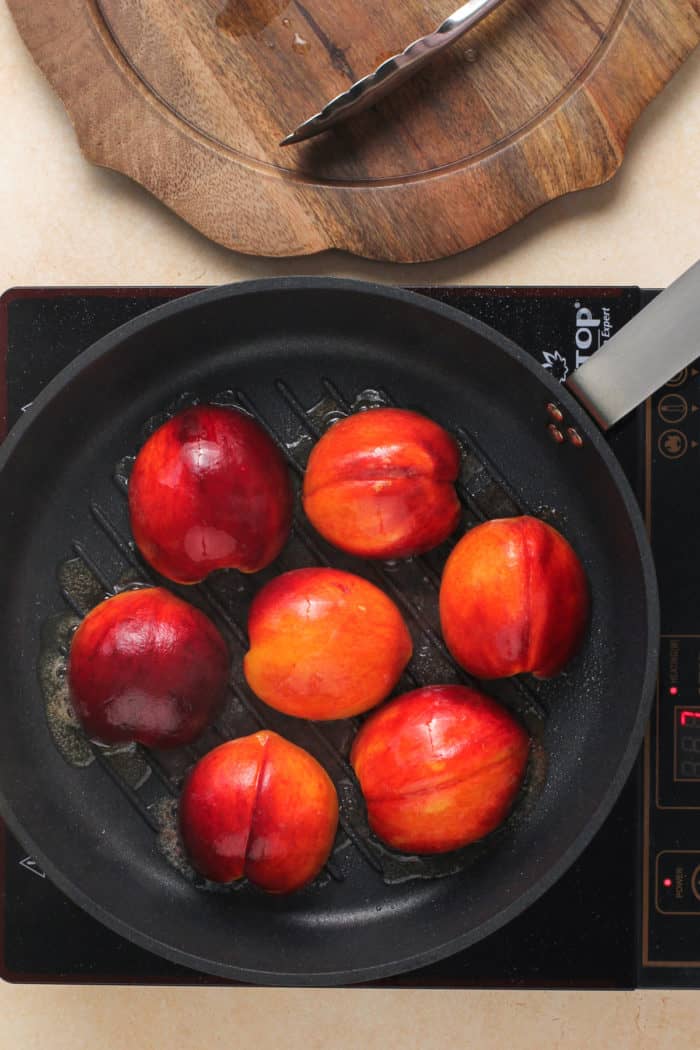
667,883
673,690
690,718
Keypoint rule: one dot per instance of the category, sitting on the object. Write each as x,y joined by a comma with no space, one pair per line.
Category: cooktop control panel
671,824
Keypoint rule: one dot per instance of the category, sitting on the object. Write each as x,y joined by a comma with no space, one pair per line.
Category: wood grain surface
192,100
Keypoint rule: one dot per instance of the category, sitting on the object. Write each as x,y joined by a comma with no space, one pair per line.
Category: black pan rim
384,970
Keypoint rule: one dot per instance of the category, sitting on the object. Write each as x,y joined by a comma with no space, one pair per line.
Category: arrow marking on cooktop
31,865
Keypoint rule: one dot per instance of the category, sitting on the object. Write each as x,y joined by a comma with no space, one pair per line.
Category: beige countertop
63,221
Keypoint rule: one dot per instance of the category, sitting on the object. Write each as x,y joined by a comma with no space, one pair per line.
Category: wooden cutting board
192,98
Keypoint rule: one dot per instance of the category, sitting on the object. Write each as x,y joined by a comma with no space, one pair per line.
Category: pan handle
657,343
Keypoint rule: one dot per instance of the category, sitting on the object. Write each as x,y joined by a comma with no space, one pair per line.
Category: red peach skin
209,490
513,598
259,807
145,666
380,484
324,644
439,768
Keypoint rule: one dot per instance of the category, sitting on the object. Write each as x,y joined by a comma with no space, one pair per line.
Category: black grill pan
298,353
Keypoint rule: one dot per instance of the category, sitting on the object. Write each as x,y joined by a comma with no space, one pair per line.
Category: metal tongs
393,71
